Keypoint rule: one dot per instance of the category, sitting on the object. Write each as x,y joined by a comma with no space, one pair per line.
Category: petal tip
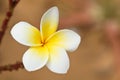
16,26
63,72
29,70
54,8
60,72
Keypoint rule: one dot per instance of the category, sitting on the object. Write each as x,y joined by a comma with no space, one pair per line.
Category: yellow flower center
43,43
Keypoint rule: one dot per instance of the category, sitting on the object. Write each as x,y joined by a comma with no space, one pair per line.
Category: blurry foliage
110,8
0,5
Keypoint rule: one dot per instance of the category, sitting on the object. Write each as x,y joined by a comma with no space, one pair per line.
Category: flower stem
11,67
12,5
17,65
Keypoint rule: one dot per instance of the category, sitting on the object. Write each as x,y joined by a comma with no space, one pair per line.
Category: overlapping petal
26,34
67,39
35,58
58,60
49,22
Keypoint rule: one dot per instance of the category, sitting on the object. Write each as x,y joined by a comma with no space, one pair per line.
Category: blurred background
96,21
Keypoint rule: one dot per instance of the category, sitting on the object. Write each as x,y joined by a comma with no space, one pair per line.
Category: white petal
58,60
35,58
26,34
49,22
67,39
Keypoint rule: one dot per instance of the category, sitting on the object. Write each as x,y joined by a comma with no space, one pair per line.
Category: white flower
47,47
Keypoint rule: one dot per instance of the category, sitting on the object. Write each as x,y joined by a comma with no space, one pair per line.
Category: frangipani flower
47,47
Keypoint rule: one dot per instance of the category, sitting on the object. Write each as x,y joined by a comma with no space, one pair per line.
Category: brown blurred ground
92,61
